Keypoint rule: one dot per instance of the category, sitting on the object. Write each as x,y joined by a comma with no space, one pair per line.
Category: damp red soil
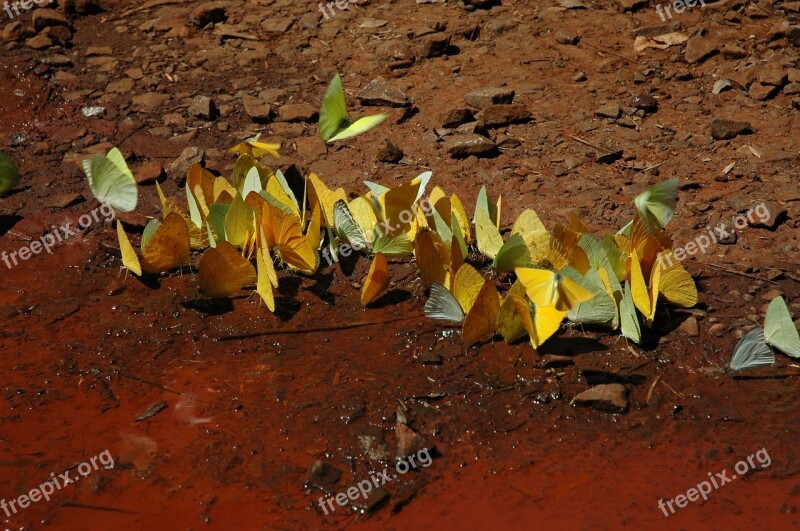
86,352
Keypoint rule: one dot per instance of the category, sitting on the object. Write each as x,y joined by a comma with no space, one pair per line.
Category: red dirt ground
85,350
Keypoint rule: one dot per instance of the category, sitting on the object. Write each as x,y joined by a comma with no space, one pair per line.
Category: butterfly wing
111,180
347,228
223,271
489,239
167,247
779,330
333,113
129,257
9,174
514,253
481,320
657,204
377,279
540,285
467,285
362,125
752,351
629,319
442,306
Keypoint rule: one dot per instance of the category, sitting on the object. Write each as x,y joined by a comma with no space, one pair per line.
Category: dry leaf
659,42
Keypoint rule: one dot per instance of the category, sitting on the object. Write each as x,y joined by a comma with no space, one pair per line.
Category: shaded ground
85,351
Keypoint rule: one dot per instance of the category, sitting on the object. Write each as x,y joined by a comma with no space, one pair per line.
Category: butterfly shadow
321,287
217,306
571,346
390,298
7,222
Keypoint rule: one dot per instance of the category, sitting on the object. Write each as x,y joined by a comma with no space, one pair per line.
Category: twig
652,386
680,395
531,498
95,507
331,328
142,380
748,275
609,51
582,141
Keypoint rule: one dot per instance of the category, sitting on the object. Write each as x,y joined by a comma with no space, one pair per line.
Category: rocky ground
562,106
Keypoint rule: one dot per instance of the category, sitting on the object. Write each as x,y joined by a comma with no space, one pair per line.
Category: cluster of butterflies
778,331
566,273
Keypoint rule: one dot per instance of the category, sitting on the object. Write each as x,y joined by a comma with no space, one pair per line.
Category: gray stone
456,117
188,158
462,146
209,12
389,153
435,45
501,115
257,109
489,96
297,112
149,102
45,18
609,110
761,92
203,107
379,92
699,48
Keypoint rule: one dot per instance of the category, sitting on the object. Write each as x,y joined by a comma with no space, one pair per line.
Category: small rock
718,329
94,51
389,153
408,441
772,74
435,45
372,500
760,92
609,110
726,129
776,213
644,102
257,109
579,77
188,158
462,146
456,117
489,96
311,148
203,107
732,51
501,115
65,200
80,7
690,326
612,398
660,29
207,13
379,92
297,112
44,18
56,60
473,128
323,476
792,89
148,173
794,75
631,5
698,48
39,42
566,38
17,31
149,102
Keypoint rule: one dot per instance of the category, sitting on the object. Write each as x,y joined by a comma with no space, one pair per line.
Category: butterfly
9,175
476,304
656,206
111,180
548,288
333,123
223,271
377,279
541,322
506,256
600,309
165,245
752,352
671,280
266,278
779,329
129,258
629,319
256,149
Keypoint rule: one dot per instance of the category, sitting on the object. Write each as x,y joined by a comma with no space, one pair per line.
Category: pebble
722,129
609,110
435,45
389,153
644,102
380,93
698,48
501,115
208,12
569,39
482,98
188,158
718,329
690,326
462,146
297,112
44,18
761,92
257,109
323,476
39,42
612,398
457,116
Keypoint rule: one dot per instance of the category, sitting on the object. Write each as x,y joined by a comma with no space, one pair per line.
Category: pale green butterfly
506,256
629,319
347,228
752,351
600,309
9,175
443,306
333,123
111,180
656,205
779,330
395,246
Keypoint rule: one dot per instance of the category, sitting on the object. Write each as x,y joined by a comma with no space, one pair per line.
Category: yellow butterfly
284,233
129,258
377,279
548,288
509,320
667,277
165,245
647,245
267,279
256,149
320,194
545,322
223,271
